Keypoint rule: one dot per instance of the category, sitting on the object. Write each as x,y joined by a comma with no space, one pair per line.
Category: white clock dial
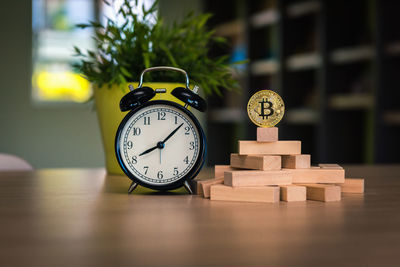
159,144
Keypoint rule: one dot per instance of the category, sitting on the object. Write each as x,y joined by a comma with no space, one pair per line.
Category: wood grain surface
82,217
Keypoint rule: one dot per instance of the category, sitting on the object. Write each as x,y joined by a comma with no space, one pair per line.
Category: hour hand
148,151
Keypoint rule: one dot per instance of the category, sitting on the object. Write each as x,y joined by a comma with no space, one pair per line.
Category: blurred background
336,64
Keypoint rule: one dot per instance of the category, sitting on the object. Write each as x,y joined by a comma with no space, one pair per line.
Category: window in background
54,35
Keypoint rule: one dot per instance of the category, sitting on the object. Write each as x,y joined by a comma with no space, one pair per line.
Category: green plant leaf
82,25
125,72
77,50
169,55
124,51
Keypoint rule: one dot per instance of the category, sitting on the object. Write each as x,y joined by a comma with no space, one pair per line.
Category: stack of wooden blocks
269,170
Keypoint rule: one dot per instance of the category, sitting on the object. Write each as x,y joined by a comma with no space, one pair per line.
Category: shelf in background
303,8
265,18
393,49
352,54
392,117
302,116
231,28
228,115
333,61
304,61
351,101
266,66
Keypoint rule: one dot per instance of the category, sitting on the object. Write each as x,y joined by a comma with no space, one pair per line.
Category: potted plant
142,41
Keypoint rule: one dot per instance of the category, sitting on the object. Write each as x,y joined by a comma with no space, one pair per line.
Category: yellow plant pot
110,116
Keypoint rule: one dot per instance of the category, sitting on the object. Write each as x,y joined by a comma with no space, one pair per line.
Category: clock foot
187,187
132,187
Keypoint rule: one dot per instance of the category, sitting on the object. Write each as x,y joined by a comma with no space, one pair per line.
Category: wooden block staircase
268,170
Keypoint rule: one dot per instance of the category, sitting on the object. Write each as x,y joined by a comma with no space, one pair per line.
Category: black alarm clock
160,144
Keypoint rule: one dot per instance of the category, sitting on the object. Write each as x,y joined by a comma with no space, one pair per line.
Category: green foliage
123,51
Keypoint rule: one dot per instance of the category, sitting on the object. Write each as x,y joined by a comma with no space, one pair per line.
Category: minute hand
171,134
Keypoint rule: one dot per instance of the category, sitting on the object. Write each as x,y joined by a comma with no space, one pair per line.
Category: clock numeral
146,120
129,144
191,145
176,172
161,116
146,169
176,119
137,130
160,175
134,159
186,160
187,129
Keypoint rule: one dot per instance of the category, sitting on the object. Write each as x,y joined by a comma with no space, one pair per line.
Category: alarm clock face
159,144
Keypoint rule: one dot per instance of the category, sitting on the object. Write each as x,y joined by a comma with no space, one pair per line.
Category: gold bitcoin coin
265,108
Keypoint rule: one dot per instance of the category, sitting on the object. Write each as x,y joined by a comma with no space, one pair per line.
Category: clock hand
173,132
159,145
148,151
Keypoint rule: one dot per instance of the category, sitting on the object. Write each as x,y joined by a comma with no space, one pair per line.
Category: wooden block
256,162
196,186
317,175
268,194
269,134
270,148
291,193
302,161
323,192
352,185
257,178
205,185
220,169
330,166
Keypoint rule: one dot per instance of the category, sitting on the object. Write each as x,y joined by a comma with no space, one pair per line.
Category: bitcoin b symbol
266,105
265,108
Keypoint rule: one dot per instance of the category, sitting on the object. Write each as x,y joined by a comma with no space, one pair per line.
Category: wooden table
82,217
